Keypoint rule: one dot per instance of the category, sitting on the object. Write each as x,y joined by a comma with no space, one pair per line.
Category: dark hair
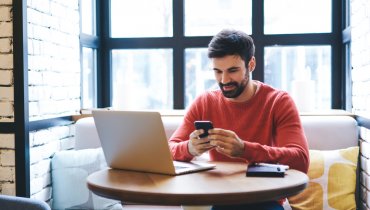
231,42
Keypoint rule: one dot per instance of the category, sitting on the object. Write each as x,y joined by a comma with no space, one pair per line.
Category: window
88,17
303,71
198,74
88,54
297,16
153,52
207,17
88,95
142,79
141,18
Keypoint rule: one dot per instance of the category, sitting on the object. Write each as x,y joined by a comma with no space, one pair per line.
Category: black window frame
346,56
178,43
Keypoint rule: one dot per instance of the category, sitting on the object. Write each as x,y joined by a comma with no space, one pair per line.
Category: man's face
231,75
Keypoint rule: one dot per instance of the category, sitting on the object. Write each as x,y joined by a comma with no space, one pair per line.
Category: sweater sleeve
178,142
289,142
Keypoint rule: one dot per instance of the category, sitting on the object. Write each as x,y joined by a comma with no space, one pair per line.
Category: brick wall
43,144
360,54
6,62
53,61
54,83
7,164
54,87
7,151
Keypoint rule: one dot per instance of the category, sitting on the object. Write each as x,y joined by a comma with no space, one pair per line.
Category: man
253,121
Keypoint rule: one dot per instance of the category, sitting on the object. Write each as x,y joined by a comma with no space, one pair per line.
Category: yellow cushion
332,183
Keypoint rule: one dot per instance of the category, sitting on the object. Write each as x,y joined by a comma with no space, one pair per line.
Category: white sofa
324,132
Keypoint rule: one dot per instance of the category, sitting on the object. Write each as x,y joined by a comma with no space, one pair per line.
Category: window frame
104,44
91,41
346,56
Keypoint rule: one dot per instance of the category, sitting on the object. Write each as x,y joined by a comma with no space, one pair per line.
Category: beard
239,88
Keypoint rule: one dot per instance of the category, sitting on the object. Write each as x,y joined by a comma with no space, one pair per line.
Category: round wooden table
226,184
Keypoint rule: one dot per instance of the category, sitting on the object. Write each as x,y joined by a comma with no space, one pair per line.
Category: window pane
141,18
198,75
88,78
142,79
297,16
88,17
303,71
208,17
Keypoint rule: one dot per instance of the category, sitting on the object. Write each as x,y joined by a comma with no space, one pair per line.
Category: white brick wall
6,78
44,195
54,65
5,14
44,144
6,96
7,146
7,157
54,83
6,2
7,164
6,93
6,29
40,168
8,188
360,54
7,141
6,45
39,183
54,86
6,109
6,63
7,174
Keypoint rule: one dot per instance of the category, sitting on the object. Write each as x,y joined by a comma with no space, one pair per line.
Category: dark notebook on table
266,170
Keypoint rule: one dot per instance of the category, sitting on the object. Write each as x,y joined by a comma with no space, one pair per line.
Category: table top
226,184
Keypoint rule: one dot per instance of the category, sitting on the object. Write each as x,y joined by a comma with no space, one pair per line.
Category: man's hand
196,145
226,142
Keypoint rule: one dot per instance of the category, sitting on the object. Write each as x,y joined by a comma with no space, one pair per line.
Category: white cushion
322,132
330,132
171,123
86,134
69,171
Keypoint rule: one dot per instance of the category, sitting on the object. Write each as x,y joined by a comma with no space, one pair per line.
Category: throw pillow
332,182
69,172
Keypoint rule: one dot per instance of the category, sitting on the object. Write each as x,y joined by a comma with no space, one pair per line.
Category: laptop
136,140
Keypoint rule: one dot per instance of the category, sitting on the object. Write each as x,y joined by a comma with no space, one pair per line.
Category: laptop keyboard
180,167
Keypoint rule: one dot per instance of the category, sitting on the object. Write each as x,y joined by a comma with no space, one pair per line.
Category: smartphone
205,125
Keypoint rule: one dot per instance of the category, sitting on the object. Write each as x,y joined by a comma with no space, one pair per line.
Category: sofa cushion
322,132
332,183
69,171
86,134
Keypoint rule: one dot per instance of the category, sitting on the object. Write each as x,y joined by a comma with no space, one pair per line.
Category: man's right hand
196,145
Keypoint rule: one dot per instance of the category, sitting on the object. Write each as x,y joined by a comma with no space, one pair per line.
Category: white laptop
136,140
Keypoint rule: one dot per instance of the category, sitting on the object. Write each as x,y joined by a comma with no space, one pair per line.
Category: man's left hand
226,142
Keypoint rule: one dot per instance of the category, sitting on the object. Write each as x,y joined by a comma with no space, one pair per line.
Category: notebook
136,140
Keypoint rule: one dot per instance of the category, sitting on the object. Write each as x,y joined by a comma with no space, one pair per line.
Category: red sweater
268,123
